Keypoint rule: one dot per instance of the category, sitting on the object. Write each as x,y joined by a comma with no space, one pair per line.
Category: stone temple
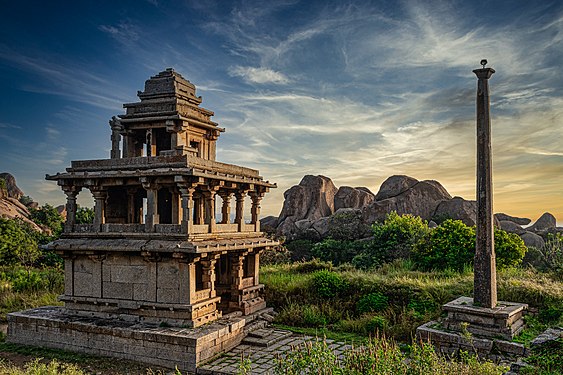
157,277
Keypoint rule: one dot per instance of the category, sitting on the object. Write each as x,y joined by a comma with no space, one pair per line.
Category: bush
328,284
16,242
395,238
337,251
85,215
300,250
372,302
451,245
311,266
509,249
48,217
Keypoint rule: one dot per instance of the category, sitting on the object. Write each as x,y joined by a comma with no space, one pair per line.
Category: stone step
265,337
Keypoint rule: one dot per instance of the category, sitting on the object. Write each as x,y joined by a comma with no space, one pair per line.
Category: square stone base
450,343
504,321
55,327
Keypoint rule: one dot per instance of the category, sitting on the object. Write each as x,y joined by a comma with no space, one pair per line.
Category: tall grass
414,297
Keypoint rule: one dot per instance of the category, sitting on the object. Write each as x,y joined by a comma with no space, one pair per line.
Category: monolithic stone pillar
239,215
176,206
485,284
71,193
226,207
100,197
151,143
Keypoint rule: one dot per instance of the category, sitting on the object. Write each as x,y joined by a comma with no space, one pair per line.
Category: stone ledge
54,327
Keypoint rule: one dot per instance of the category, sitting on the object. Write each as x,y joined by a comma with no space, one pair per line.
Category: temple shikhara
176,236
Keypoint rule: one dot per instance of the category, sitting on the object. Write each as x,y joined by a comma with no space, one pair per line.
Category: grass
414,297
76,363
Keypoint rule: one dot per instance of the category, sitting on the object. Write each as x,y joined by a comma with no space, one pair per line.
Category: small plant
328,284
372,302
244,366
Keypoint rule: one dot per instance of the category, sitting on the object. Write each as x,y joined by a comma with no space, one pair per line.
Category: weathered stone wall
168,347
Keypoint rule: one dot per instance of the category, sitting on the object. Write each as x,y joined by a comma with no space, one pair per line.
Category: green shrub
16,242
328,284
300,250
311,266
451,245
395,238
48,217
337,251
509,249
372,302
546,360
85,215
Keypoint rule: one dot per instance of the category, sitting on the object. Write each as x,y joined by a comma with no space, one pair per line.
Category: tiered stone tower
156,252
155,249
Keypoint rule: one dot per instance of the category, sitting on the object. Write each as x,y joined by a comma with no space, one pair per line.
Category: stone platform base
450,343
54,327
504,321
485,331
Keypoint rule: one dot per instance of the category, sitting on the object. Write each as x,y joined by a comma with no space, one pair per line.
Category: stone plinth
54,327
504,321
476,329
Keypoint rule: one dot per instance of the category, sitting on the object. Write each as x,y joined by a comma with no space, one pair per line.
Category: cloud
125,32
258,75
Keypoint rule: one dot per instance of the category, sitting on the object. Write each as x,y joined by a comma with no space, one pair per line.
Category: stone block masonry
53,327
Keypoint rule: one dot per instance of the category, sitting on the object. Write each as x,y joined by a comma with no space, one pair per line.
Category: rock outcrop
546,222
349,197
518,220
419,198
312,199
532,240
10,206
12,189
459,209
511,227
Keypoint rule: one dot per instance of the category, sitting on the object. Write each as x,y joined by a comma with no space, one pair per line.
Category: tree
17,242
84,215
48,218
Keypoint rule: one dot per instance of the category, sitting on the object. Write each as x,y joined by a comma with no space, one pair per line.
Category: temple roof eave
158,245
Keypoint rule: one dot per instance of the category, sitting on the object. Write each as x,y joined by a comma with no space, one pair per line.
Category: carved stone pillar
226,207
209,196
239,215
100,196
151,218
116,127
255,210
209,275
71,193
187,208
131,205
237,271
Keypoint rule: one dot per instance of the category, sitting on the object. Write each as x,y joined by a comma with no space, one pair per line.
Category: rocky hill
10,205
312,207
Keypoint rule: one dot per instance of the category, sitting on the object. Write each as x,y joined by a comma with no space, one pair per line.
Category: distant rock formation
459,209
518,220
406,195
13,191
316,209
10,206
349,197
546,222
312,199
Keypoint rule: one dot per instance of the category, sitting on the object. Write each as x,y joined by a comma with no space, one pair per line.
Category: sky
353,90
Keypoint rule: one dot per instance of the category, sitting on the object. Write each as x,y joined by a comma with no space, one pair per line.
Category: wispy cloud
258,75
